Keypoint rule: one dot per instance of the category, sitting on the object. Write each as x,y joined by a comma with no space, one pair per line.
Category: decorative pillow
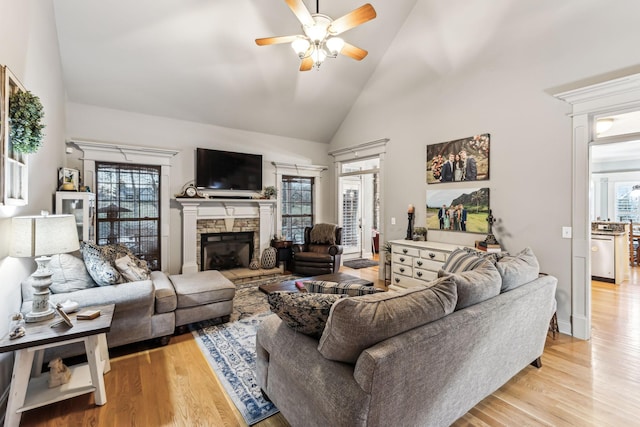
477,285
518,269
268,259
69,274
304,312
461,260
323,233
100,269
129,270
348,288
356,324
114,251
491,256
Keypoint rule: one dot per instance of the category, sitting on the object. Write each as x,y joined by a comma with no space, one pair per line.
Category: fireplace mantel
227,209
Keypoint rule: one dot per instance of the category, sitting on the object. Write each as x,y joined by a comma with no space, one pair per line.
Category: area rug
360,263
230,349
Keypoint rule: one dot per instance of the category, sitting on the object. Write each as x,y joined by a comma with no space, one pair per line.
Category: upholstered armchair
321,252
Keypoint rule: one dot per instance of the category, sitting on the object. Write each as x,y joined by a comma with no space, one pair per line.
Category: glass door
350,215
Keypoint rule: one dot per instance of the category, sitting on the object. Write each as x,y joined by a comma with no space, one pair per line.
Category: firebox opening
224,251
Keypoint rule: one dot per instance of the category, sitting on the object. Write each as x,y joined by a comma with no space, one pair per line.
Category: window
128,208
297,206
627,202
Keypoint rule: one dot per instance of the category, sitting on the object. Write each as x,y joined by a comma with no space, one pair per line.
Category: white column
266,225
189,236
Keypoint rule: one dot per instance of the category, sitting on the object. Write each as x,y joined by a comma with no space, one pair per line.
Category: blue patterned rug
230,349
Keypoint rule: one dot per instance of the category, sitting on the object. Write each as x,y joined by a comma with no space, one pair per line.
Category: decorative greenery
387,247
25,122
420,230
269,192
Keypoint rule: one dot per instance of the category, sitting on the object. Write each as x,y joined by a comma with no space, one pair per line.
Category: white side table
30,388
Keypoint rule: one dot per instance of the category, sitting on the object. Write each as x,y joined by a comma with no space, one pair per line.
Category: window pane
297,206
128,208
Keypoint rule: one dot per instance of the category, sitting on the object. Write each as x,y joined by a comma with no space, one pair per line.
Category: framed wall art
68,179
465,159
465,210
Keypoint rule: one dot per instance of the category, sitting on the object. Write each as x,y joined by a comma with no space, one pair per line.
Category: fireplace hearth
224,251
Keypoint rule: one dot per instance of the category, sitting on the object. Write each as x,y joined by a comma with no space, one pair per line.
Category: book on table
88,314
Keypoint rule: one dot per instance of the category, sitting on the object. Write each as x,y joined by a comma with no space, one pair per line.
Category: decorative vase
268,259
254,264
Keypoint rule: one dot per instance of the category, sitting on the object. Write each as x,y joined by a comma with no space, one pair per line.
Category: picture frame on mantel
465,159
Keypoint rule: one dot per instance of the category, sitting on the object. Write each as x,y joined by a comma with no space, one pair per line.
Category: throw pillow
100,269
114,251
129,270
518,269
477,285
304,312
268,259
461,260
356,324
351,289
69,274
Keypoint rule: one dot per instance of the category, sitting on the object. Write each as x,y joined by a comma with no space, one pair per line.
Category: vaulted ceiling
197,60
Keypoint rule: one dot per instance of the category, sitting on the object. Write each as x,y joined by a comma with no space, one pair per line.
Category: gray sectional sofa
383,360
144,309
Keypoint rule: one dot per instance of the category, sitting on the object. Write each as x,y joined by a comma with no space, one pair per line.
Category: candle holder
410,226
490,239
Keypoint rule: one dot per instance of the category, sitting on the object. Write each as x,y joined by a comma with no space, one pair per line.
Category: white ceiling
197,60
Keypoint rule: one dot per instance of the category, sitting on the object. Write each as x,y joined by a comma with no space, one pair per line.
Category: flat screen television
226,170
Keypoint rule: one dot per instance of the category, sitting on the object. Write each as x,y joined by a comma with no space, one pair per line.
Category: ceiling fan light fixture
317,32
300,46
334,45
318,56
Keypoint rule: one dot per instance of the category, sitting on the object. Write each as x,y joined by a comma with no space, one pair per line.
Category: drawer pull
404,251
397,280
401,259
419,274
419,263
432,255
401,270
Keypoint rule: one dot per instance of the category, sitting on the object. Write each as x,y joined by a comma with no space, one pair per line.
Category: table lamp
42,236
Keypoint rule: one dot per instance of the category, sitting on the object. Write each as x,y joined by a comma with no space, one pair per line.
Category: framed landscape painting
465,159
464,210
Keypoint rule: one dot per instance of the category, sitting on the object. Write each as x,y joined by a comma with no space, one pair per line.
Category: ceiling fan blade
353,52
301,12
352,19
306,64
275,40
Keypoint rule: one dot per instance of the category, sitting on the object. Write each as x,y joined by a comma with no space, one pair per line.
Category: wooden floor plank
586,383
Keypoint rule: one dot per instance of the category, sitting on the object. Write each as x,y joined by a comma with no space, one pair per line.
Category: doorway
358,203
589,104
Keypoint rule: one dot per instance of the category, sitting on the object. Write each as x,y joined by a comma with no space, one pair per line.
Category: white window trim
118,153
305,171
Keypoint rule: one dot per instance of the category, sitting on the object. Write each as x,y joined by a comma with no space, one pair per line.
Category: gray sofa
428,375
144,309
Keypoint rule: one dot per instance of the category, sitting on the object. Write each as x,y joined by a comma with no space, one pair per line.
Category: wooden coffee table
290,285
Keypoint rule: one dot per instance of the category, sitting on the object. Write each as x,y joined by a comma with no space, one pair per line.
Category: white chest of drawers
416,263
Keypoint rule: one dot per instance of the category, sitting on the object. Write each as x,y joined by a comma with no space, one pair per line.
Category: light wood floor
581,383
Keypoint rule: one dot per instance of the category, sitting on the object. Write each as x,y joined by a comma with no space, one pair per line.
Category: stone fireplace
248,218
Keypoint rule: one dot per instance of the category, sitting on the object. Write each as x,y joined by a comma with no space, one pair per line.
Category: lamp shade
33,236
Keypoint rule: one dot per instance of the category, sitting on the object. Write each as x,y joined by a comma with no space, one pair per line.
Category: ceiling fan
319,40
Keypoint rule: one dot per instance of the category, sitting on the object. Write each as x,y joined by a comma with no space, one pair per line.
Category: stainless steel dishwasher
603,257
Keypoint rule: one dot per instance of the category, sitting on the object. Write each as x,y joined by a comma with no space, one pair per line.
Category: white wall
91,123
29,48
460,68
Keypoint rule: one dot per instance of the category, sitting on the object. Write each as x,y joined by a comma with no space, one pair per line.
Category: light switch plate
393,220
566,232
